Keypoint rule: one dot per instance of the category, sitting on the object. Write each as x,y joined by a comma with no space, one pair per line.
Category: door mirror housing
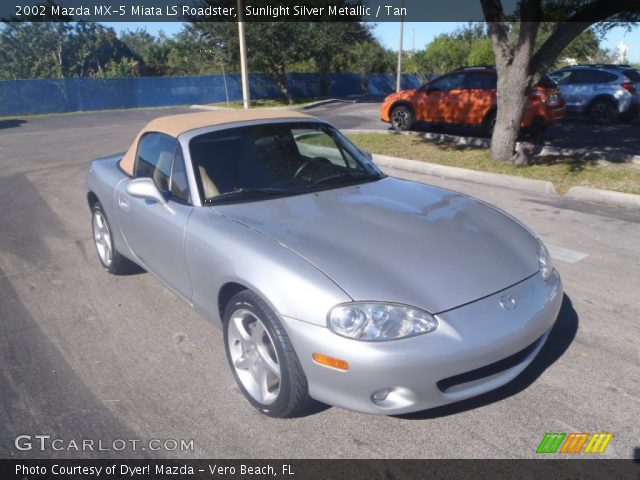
145,188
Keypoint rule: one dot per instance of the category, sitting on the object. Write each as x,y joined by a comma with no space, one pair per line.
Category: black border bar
201,469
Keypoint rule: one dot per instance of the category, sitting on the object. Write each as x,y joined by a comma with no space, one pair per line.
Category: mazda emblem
508,302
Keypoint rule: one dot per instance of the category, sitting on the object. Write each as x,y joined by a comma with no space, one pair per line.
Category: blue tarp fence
23,97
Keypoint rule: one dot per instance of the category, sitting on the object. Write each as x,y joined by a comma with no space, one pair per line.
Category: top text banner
251,10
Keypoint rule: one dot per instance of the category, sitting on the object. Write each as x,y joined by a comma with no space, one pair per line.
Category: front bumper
477,347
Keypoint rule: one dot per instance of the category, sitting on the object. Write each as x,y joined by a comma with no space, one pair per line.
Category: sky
416,34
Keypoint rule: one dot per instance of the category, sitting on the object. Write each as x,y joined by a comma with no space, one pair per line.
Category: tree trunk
281,81
512,100
514,80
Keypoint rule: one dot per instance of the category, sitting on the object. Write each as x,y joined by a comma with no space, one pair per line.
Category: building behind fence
23,97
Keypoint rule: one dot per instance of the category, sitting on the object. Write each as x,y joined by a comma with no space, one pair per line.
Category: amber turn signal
330,361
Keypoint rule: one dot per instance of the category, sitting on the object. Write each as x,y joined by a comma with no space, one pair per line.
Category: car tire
489,123
112,261
603,112
262,359
402,118
628,117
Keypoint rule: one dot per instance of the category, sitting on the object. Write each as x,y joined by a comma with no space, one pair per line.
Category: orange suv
468,97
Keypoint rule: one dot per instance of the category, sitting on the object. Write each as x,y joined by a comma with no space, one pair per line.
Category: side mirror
366,154
145,188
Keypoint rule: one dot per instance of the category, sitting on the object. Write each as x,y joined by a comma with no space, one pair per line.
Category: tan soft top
175,125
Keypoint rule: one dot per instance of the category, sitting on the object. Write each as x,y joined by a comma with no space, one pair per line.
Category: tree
368,57
59,50
481,53
33,50
520,64
151,51
275,48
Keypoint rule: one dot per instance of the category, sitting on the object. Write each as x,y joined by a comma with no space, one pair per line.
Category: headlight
544,260
380,321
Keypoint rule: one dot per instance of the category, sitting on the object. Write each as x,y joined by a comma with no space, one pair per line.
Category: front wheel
402,118
262,358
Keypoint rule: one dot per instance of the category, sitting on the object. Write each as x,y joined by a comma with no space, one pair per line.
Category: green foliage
585,48
280,48
481,53
468,45
57,50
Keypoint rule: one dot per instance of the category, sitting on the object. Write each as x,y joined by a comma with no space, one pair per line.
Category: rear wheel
489,123
603,112
628,116
402,118
262,358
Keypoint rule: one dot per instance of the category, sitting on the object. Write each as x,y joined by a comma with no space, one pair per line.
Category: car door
477,98
442,98
155,232
568,88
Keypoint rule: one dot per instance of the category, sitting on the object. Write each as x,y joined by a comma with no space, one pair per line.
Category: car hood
399,241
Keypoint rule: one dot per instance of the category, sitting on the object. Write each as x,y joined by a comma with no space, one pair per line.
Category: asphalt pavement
86,355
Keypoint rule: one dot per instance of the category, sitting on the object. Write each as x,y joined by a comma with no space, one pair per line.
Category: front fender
220,250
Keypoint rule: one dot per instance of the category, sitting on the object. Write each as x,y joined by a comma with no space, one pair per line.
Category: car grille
488,370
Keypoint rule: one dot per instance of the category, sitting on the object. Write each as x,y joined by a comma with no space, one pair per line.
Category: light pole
399,74
243,59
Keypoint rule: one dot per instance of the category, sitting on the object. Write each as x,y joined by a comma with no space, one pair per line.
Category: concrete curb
294,107
546,150
319,103
498,180
604,196
588,194
209,107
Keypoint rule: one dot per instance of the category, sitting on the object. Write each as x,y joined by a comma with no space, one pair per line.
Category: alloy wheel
102,238
254,357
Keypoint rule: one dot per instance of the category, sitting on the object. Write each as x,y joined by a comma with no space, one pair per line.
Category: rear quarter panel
102,177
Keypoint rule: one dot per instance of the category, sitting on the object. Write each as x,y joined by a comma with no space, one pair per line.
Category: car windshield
264,161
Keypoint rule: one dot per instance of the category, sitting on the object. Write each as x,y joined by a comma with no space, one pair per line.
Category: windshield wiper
353,175
248,193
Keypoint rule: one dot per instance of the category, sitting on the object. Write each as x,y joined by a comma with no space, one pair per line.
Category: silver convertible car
331,280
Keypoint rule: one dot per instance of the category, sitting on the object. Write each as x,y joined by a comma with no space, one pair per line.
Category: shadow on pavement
41,394
11,123
561,336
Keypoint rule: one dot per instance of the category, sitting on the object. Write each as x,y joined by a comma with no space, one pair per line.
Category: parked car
468,97
331,281
605,93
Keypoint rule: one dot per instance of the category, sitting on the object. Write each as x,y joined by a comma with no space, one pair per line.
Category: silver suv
606,93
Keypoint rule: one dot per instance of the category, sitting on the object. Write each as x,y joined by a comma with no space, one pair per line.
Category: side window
179,182
482,81
448,82
160,158
563,77
592,76
155,156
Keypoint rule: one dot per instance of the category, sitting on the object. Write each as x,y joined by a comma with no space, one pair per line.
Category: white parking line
565,254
